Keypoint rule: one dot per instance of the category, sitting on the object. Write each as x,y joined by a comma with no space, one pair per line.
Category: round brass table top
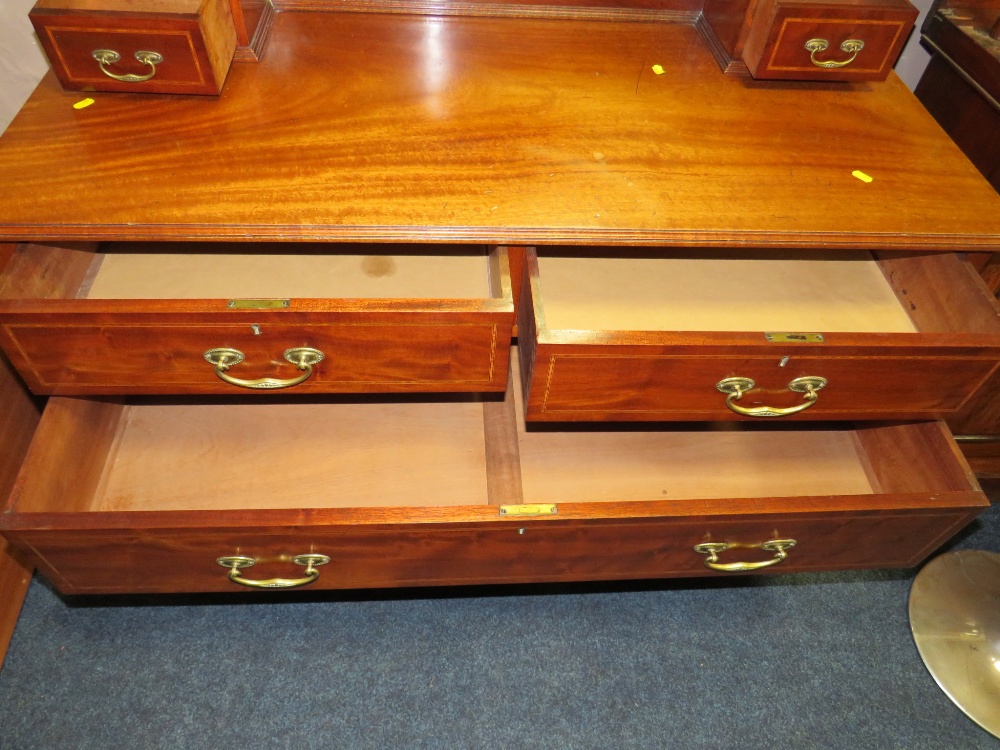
955,619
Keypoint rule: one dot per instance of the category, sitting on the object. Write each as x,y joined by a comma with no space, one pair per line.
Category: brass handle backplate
734,388
236,563
110,57
850,46
712,549
302,357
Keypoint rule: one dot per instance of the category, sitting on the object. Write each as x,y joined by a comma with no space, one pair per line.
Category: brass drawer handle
236,563
734,388
850,46
302,357
110,57
712,549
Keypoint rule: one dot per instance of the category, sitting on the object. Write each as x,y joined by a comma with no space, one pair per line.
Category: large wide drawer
148,496
231,319
752,335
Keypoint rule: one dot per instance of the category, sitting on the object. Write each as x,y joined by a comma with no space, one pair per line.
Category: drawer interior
133,271
150,455
758,291
125,455
292,455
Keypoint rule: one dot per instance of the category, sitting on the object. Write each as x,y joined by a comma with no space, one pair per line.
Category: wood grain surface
500,130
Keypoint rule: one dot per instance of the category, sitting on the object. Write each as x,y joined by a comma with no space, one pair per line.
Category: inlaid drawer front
172,47
77,321
799,39
413,553
171,496
756,337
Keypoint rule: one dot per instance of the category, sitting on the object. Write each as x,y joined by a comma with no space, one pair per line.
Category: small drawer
166,47
620,335
148,496
231,319
809,40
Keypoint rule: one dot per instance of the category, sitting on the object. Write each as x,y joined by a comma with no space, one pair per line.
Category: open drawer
149,496
749,335
204,318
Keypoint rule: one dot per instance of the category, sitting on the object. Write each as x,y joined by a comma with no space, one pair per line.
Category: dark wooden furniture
961,84
961,89
519,134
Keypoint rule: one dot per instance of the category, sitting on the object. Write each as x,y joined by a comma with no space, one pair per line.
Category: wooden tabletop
367,127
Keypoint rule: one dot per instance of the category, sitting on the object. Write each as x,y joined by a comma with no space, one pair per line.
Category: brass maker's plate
795,338
529,509
257,304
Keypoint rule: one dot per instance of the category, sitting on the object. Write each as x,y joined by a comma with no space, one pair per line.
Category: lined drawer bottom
146,496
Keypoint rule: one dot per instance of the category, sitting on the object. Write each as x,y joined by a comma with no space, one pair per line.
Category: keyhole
256,329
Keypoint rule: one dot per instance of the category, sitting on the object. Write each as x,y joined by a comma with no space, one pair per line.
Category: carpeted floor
820,661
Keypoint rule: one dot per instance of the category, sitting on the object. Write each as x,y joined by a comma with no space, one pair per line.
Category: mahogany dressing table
277,326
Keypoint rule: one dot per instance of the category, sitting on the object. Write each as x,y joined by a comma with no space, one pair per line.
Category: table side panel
19,415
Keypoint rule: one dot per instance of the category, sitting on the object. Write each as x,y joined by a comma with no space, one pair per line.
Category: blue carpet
800,661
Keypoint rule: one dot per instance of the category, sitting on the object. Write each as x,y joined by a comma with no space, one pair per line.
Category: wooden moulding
254,20
724,25
659,11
